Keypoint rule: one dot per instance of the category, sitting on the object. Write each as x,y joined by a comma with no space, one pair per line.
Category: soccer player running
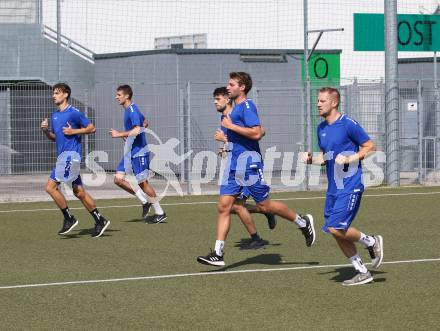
223,104
138,157
246,170
67,126
344,143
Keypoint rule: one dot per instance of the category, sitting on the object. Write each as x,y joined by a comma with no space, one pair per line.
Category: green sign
415,33
324,70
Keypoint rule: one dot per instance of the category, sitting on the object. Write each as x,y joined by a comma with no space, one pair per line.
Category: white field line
214,202
127,279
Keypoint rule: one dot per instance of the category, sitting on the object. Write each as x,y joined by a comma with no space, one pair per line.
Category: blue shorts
140,167
244,194
340,210
67,169
258,190
76,182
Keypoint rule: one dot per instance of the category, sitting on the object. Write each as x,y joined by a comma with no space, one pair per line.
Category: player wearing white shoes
137,157
67,125
245,170
344,143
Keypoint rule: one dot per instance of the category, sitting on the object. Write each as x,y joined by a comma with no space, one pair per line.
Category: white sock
141,196
157,208
367,240
219,247
358,264
299,221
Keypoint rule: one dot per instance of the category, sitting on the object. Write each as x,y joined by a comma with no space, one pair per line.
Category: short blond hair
333,92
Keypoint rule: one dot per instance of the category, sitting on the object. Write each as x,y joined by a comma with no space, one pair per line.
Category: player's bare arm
254,133
308,158
45,128
366,149
220,136
69,131
124,134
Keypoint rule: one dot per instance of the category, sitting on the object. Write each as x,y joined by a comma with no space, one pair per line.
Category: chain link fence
94,48
183,122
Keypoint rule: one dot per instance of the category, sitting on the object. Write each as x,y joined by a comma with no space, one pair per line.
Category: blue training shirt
225,131
344,136
59,120
245,115
132,118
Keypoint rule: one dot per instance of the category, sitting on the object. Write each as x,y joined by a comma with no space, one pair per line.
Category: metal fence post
86,114
181,134
307,93
9,130
391,94
58,40
420,130
188,136
437,113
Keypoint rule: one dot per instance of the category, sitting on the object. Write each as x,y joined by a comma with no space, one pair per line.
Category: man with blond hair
344,143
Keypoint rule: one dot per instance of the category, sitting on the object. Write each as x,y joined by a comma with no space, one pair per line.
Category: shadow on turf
267,259
245,241
141,220
344,273
86,232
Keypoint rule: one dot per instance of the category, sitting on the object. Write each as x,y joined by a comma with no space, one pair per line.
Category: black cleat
254,244
271,221
156,218
212,259
68,225
100,227
146,209
309,230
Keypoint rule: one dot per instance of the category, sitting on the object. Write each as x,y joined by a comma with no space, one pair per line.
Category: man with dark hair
242,79
67,125
344,143
64,88
245,169
223,104
126,90
138,157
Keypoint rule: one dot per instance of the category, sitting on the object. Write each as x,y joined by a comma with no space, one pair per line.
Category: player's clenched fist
44,125
306,157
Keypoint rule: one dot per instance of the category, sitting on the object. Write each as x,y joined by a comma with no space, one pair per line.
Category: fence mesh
97,45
